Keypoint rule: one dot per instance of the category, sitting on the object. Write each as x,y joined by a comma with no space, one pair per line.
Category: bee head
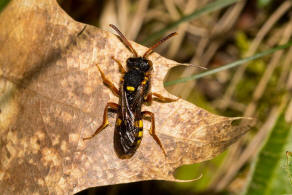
139,63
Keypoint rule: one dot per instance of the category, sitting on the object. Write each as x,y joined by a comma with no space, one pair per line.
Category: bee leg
152,130
108,83
120,65
148,98
159,98
111,105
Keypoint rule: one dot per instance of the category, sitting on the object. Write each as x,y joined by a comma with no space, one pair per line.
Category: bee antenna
124,39
150,50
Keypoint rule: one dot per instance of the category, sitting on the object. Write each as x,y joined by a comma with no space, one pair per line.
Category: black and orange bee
133,92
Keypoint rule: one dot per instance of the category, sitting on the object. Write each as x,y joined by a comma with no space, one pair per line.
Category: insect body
133,92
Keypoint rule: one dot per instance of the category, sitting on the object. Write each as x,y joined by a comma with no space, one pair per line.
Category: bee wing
127,114
138,99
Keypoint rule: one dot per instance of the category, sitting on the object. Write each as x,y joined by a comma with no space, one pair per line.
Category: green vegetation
268,175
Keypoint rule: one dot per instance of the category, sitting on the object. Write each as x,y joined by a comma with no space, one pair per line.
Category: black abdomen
127,137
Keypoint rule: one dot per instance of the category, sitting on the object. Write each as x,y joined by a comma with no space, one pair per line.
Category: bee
134,90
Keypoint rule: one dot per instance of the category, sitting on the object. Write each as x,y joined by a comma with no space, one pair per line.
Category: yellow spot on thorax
130,88
145,80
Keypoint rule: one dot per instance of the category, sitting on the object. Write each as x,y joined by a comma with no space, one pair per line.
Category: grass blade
207,9
268,175
289,165
227,66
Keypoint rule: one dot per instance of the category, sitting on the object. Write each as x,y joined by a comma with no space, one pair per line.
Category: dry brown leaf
52,96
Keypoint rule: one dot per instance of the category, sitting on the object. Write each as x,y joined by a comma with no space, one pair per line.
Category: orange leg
113,106
120,65
148,98
159,98
152,129
108,82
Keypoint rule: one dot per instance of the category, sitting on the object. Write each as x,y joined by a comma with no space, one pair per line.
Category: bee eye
145,65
